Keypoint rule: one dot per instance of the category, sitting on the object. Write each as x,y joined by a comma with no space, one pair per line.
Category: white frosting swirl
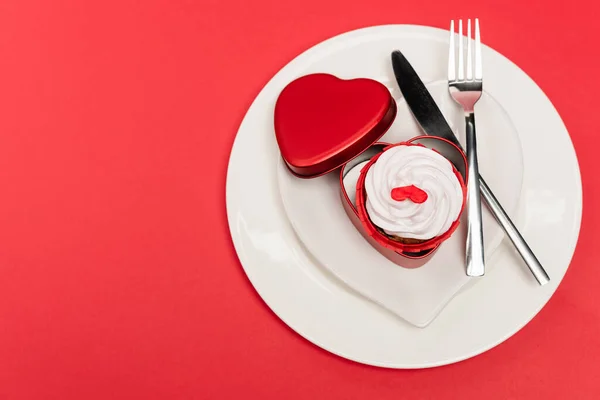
429,171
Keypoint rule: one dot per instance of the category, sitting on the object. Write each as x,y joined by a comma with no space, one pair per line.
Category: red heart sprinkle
411,192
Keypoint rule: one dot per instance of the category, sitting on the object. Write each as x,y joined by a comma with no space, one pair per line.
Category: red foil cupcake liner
381,238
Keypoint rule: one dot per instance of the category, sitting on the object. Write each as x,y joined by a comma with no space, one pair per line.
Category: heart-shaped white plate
416,295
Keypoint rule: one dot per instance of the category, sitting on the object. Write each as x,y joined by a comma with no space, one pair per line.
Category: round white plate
314,303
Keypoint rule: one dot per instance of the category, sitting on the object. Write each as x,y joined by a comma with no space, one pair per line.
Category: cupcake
410,197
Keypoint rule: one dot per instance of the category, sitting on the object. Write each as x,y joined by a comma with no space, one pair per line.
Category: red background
118,279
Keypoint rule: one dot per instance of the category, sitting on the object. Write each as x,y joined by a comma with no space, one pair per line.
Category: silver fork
467,92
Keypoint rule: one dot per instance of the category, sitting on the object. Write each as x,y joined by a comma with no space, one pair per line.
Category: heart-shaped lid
322,122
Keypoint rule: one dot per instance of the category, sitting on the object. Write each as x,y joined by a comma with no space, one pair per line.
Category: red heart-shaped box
323,123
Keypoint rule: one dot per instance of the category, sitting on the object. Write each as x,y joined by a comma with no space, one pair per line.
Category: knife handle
503,219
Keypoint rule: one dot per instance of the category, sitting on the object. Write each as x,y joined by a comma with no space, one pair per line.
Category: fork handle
513,233
474,250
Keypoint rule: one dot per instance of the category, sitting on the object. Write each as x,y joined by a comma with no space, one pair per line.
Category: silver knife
433,123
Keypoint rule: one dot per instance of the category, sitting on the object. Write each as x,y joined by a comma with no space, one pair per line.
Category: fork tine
478,62
469,55
451,59
461,54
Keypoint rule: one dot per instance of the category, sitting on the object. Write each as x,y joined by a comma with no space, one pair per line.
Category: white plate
314,208
317,305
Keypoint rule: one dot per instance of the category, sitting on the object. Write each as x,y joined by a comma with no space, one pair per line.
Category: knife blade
433,123
421,104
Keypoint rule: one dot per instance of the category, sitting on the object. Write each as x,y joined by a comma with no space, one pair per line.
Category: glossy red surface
322,121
